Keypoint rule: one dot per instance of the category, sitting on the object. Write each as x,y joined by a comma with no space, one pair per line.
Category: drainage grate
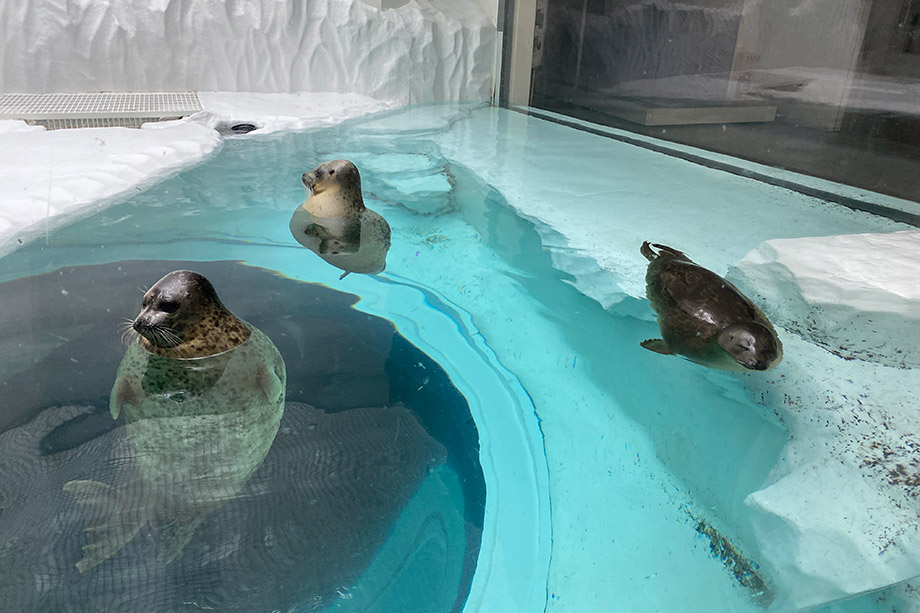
129,110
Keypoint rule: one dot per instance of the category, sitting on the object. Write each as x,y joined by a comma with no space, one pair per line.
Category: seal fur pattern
704,317
334,223
202,394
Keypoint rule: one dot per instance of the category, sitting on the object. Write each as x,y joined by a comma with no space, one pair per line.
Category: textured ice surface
45,174
857,295
854,425
68,171
278,112
424,51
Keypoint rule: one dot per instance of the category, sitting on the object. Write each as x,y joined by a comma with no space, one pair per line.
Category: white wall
424,51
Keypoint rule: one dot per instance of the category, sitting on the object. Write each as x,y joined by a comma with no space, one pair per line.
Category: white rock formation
45,174
840,513
858,295
424,51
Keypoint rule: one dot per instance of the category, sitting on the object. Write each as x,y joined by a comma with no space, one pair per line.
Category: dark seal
705,318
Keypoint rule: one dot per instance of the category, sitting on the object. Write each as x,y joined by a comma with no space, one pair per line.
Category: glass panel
825,88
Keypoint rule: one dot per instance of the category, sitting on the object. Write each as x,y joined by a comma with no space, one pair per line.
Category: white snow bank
45,174
279,112
858,295
427,50
840,513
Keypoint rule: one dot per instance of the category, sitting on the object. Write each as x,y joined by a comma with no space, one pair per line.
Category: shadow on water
329,518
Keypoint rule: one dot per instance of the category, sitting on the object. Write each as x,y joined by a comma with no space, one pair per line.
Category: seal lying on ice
704,317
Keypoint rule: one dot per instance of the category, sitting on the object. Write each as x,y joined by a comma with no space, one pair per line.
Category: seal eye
169,306
332,172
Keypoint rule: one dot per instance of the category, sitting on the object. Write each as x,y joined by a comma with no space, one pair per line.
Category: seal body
334,223
704,317
196,426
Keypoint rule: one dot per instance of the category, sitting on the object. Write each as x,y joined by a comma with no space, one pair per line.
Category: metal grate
97,110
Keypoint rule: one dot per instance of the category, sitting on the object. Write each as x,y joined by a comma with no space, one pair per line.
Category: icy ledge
46,174
857,295
840,512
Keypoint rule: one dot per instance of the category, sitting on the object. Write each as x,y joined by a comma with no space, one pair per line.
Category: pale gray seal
202,393
334,223
704,317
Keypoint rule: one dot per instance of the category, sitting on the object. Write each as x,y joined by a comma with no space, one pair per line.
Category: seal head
336,189
182,317
753,345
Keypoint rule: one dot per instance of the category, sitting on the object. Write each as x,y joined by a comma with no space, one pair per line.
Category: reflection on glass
196,430
334,223
827,87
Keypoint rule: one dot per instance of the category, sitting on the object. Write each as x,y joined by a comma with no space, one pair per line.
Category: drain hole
242,128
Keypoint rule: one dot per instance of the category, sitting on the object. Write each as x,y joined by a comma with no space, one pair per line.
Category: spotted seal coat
335,224
202,395
704,317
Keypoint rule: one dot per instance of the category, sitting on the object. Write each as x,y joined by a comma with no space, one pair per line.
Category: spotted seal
704,317
202,394
335,224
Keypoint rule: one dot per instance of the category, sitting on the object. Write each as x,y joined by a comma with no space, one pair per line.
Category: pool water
562,467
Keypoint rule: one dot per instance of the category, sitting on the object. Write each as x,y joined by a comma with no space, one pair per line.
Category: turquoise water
614,478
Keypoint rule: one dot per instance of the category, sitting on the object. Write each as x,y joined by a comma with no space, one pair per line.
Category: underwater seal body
202,393
705,318
334,223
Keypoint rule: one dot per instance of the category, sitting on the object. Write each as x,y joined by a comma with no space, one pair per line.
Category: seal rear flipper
646,250
176,537
107,528
657,345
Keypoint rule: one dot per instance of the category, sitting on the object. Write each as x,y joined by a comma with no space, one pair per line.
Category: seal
202,394
334,223
705,318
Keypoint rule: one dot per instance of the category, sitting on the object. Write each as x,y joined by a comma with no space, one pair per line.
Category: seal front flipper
269,380
108,530
126,391
658,345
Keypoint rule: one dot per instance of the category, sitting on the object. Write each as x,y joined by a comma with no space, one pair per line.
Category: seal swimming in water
704,317
202,393
334,223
